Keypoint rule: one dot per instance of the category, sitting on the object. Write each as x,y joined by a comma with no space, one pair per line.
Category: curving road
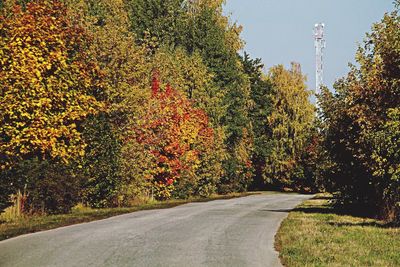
235,232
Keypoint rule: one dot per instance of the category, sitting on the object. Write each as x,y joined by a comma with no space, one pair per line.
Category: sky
281,31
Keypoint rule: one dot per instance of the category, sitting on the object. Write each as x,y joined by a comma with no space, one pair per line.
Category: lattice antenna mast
320,44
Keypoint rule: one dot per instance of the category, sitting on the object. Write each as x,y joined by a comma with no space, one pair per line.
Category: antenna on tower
320,44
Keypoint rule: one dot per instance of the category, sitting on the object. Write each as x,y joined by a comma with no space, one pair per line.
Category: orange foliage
174,133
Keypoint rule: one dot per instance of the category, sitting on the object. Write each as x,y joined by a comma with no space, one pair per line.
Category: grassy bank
31,224
316,234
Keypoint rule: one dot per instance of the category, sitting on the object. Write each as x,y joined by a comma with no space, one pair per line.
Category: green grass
316,234
31,224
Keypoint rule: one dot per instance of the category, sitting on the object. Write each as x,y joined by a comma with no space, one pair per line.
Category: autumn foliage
110,102
174,133
47,84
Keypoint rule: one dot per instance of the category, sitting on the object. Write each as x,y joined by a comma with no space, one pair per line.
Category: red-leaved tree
175,135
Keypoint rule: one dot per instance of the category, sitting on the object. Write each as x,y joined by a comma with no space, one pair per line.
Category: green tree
101,166
386,165
200,28
261,94
160,19
126,71
357,119
218,41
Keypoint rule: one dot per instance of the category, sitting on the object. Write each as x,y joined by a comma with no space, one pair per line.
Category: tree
290,122
100,168
386,165
201,29
261,95
160,19
189,75
209,32
48,84
174,136
357,120
126,69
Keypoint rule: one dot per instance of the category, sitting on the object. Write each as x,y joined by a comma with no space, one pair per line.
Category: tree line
359,138
108,103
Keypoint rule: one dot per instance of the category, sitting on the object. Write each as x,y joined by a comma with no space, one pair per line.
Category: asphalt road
235,232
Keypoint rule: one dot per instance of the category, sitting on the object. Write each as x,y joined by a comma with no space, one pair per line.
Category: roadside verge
317,234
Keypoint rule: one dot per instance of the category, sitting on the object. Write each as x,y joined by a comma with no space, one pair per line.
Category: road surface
235,232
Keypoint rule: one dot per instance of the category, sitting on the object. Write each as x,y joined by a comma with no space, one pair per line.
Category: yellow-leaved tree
47,84
108,167
290,122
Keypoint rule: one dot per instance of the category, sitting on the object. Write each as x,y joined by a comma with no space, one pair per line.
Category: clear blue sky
281,31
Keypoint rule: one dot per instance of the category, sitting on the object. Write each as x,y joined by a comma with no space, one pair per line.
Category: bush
51,187
6,189
101,164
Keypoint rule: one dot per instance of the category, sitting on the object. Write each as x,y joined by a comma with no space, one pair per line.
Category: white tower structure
320,44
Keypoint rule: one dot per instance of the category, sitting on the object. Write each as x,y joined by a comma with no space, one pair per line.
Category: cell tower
320,44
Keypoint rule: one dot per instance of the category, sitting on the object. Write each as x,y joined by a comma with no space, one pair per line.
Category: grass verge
31,224
316,234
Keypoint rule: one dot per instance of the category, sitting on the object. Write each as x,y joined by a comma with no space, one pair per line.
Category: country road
235,232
